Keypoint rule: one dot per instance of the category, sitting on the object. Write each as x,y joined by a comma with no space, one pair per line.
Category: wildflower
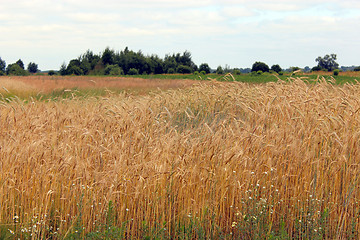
12,232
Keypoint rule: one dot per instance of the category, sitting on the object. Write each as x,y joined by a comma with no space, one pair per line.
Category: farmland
172,158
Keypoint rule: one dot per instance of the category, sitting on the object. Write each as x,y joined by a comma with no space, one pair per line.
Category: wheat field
234,160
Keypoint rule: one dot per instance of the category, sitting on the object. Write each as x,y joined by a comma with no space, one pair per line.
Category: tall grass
231,160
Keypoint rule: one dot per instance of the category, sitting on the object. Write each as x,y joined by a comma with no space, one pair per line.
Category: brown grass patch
46,84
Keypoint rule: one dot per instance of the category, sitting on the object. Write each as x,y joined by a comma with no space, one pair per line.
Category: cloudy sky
232,32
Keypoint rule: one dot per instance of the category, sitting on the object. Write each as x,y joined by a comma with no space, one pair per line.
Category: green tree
85,66
32,67
276,68
260,66
328,62
15,69
2,66
62,69
51,73
74,68
133,71
183,69
108,56
204,67
113,70
236,71
20,63
219,70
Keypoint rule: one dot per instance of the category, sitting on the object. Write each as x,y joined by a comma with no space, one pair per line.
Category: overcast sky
232,32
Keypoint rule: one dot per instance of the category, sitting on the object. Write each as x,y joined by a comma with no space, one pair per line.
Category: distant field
45,87
195,160
57,86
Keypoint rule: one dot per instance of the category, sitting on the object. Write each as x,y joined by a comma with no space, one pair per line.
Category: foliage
51,73
20,63
276,68
15,69
133,71
357,69
336,72
293,69
328,62
32,67
219,70
170,71
316,68
113,70
204,67
2,66
260,66
236,72
62,69
108,56
183,69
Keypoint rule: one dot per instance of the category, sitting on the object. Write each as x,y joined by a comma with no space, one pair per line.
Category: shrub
171,71
316,68
260,66
183,69
336,72
236,72
113,70
219,70
133,71
15,69
357,69
51,73
276,68
196,73
259,72
203,73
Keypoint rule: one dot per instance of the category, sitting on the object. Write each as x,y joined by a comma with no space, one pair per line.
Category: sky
234,33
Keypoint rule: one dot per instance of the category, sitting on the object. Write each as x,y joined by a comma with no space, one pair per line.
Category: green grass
247,78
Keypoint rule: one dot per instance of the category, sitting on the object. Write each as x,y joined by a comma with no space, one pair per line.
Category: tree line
17,68
128,62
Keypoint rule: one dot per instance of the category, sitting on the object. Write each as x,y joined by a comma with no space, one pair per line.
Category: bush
74,70
51,73
259,72
183,69
15,69
171,71
196,73
203,73
113,70
276,68
133,71
219,70
336,72
236,72
357,69
281,73
260,66
316,68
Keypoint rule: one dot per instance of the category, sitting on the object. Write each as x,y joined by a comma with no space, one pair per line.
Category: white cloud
242,29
